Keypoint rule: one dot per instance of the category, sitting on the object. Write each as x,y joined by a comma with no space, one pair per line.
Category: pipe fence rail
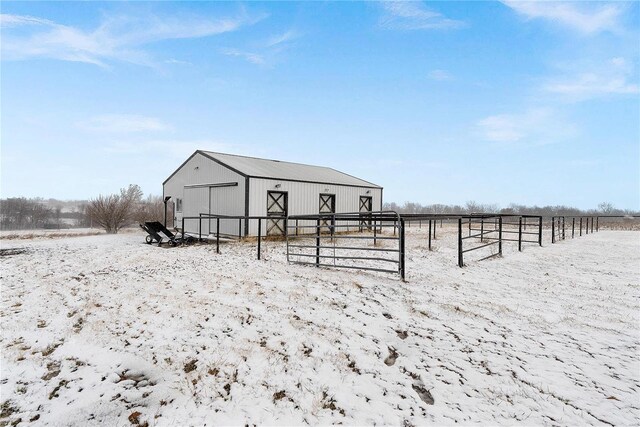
483,228
337,242
560,226
588,224
242,221
430,220
375,241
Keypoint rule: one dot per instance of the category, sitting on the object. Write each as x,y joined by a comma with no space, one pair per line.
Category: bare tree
115,211
606,208
473,207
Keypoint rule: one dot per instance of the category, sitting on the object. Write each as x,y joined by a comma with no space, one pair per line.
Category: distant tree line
18,213
111,212
473,207
115,211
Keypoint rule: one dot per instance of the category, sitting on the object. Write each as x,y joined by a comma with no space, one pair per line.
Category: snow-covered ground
107,329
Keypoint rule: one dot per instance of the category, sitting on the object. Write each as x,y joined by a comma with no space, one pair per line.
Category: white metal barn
225,184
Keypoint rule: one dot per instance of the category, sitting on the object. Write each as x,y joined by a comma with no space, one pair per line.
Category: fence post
580,226
573,227
200,228
402,266
286,226
182,228
481,229
375,231
597,223
563,235
429,234
333,226
553,229
318,242
586,228
395,224
239,228
469,227
435,222
460,261
540,231
218,235
260,235
500,236
520,235
592,224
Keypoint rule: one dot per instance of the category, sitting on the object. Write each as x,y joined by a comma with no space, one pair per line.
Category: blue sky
438,102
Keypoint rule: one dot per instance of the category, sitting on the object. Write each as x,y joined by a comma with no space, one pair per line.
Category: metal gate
379,249
327,206
276,207
366,205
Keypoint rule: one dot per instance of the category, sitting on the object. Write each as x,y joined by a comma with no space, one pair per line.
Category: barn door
365,208
327,206
276,207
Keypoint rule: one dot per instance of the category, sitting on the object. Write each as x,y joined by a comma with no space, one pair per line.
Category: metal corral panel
304,198
205,186
276,169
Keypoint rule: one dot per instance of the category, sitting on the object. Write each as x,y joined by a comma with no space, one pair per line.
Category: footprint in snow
402,334
423,393
391,358
419,387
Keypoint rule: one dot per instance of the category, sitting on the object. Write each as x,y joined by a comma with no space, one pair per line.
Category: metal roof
275,169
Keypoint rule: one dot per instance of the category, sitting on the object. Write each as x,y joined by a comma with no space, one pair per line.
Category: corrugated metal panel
276,169
195,200
304,198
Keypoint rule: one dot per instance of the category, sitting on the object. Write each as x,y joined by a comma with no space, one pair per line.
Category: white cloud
535,126
265,52
612,77
410,15
440,75
117,38
279,39
585,17
122,123
254,58
8,20
177,62
591,85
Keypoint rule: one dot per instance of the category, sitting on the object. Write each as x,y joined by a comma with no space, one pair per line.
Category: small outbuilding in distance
225,184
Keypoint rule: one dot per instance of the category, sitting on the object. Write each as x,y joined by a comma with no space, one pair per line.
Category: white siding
216,200
304,198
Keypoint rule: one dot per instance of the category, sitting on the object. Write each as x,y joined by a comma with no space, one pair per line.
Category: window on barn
178,205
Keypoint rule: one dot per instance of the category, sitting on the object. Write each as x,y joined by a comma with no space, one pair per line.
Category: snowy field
106,329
